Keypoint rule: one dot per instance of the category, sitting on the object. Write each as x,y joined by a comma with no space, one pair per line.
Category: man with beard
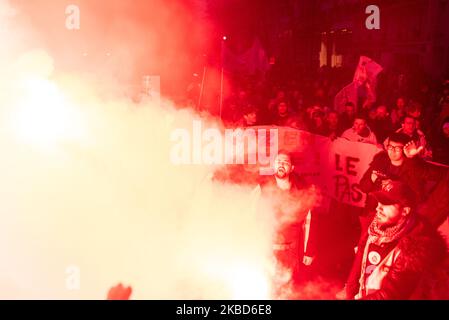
400,253
291,200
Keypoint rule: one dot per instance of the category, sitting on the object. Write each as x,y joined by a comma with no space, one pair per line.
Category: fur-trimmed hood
423,247
425,252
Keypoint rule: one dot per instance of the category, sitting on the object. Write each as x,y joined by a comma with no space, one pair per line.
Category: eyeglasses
395,148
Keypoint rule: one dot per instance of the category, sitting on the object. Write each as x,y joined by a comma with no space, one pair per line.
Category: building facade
412,33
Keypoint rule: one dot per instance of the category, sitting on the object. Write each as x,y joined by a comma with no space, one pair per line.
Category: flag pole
221,91
222,75
201,89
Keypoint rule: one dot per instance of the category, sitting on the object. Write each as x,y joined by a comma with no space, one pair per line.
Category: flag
367,71
347,94
365,77
249,62
365,80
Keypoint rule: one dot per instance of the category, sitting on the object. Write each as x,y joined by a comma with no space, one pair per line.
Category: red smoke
122,39
92,175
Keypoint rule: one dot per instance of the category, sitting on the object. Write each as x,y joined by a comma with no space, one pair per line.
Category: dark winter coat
415,172
422,256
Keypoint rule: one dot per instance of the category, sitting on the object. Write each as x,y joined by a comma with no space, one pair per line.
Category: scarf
380,236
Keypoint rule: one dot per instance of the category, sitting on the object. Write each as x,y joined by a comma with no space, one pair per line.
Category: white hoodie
351,135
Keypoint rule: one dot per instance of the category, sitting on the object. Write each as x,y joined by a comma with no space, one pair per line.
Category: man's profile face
388,215
282,166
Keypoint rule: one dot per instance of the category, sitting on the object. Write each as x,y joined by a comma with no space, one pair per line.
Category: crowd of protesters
420,111
389,249
410,123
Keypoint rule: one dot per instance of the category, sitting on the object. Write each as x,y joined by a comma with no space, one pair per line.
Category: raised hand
411,150
374,176
119,292
306,260
387,184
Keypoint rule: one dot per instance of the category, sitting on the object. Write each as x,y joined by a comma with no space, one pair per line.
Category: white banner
336,167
